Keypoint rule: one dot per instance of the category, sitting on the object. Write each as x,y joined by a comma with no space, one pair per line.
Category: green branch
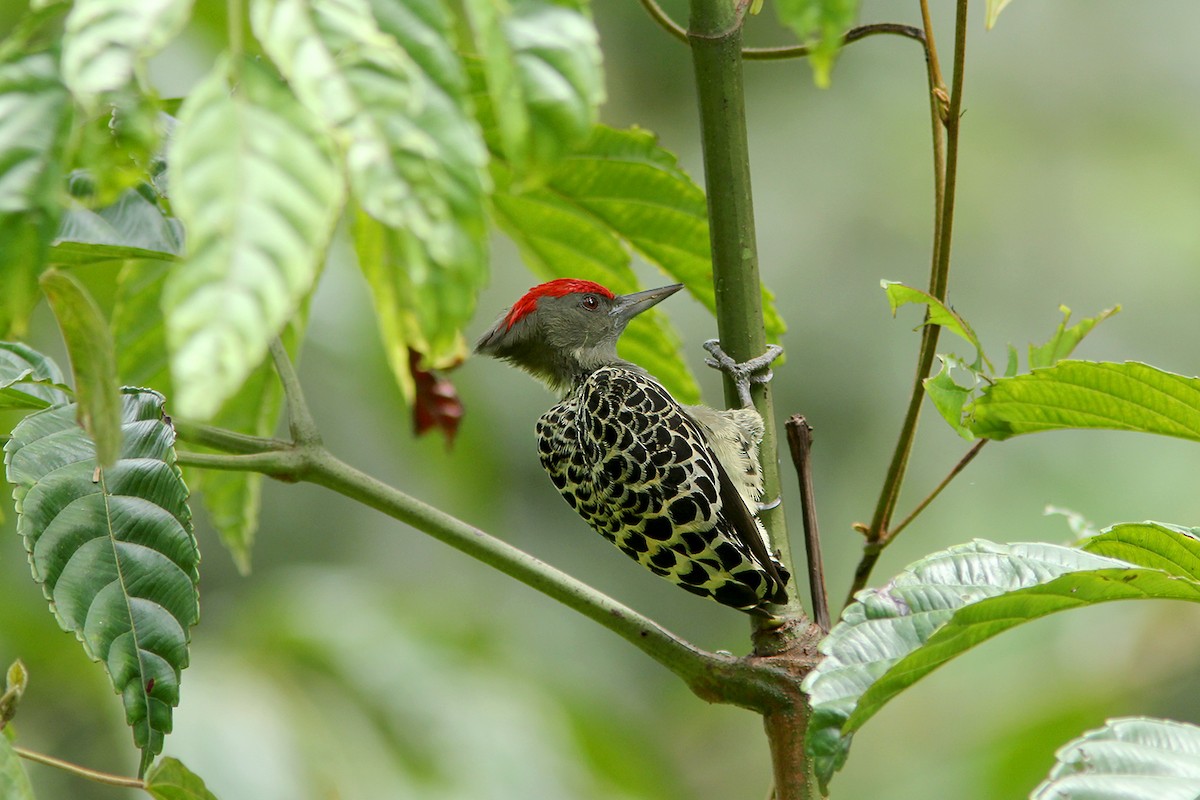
749,682
714,677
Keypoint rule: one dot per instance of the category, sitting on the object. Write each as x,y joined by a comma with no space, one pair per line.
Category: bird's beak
628,306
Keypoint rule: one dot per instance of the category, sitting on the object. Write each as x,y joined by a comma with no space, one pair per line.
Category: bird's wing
747,529
677,452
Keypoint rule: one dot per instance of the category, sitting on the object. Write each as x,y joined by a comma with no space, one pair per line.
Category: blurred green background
363,660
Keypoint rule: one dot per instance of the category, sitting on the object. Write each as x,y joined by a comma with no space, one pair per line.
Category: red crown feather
555,288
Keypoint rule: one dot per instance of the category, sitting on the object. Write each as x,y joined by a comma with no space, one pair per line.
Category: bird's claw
768,506
755,370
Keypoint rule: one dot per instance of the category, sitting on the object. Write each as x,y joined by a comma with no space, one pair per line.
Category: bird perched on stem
675,487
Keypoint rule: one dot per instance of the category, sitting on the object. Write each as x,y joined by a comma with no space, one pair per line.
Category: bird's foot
768,506
756,370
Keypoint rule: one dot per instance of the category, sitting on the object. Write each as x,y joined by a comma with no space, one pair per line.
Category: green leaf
171,780
1088,394
939,314
441,274
33,115
135,226
382,253
994,7
113,550
541,64
635,188
1157,545
24,243
107,42
1065,340
29,379
14,783
34,112
1011,367
414,157
883,626
951,601
93,361
254,182
1130,758
948,397
821,24
427,268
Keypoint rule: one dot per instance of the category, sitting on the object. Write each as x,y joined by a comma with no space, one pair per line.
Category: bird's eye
590,302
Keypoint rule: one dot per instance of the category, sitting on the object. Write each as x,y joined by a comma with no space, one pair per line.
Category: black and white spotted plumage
637,466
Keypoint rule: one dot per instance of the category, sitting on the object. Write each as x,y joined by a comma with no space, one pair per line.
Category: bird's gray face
568,335
580,322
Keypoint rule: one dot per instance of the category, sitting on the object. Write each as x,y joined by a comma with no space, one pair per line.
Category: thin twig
659,15
664,20
935,67
799,436
83,772
849,37
959,467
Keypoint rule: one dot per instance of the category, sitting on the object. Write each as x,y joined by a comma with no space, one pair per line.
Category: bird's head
561,330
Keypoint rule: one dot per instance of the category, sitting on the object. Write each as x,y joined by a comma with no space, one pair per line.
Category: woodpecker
675,487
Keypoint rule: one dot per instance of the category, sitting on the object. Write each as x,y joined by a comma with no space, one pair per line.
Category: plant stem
716,42
83,772
946,171
235,10
716,56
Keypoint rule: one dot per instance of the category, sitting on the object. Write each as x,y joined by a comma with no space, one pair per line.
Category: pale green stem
235,9
83,772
